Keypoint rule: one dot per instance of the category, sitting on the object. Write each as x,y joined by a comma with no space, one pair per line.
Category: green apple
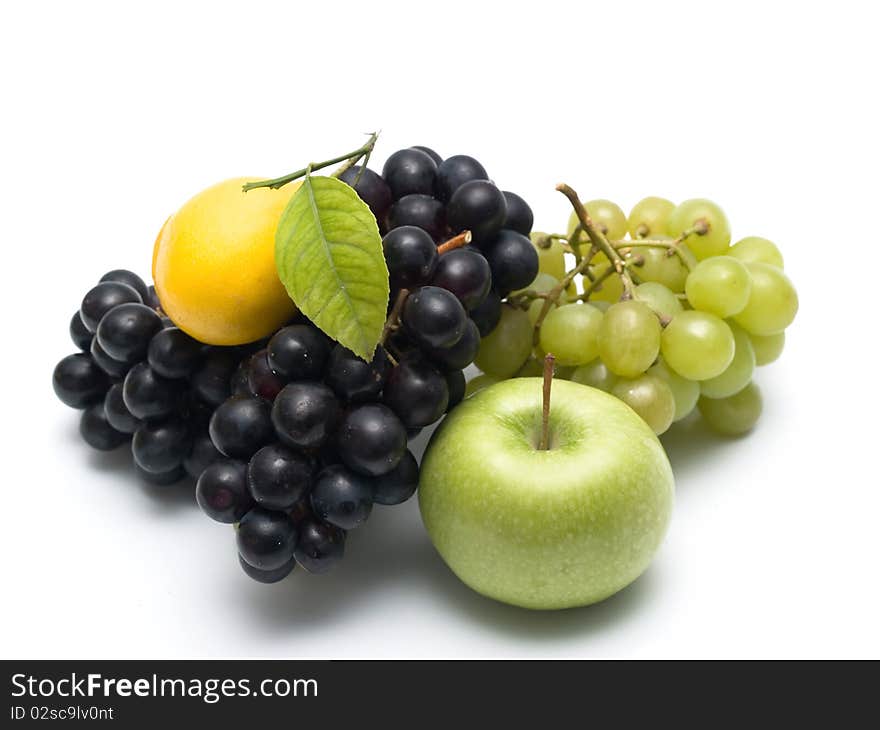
546,529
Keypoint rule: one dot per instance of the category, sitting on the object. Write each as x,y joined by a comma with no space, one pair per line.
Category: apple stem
549,360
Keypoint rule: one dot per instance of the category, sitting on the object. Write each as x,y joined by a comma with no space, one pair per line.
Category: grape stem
349,159
552,296
393,315
462,239
673,248
544,444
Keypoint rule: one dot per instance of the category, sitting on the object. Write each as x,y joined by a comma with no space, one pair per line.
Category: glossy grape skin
262,380
113,368
773,301
650,397
454,172
421,211
512,259
298,352
508,346
305,414
461,354
97,431
152,300
411,256
428,151
164,479
487,314
685,392
410,171
738,374
78,381
519,216
720,285
126,330
399,484
267,576
479,207
629,338
81,337
767,347
211,382
659,298
685,216
697,345
266,539
342,497
657,266
478,383
754,249
202,454
241,425
595,374
466,273
735,415
433,317
457,385
174,354
118,415
417,392
372,189
320,545
102,298
371,439
148,395
160,446
571,333
222,492
649,217
279,477
124,276
606,216
353,379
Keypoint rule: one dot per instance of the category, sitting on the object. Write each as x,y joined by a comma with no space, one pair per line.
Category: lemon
214,264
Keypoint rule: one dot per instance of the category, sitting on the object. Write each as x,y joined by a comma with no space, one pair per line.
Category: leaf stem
549,359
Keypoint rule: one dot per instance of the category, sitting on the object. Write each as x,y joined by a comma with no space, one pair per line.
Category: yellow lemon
214,264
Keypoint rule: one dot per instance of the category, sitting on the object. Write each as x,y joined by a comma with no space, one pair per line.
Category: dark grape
241,425
125,331
118,414
513,260
477,206
354,379
299,352
149,395
102,298
211,382
320,545
466,273
399,484
304,414
262,380
97,431
342,497
519,215
411,256
279,477
221,491
422,211
174,354
454,172
238,383
202,454
416,392
266,539
160,446
372,189
428,151
81,337
164,479
371,439
487,314
267,576
78,381
461,354
457,385
152,300
433,317
124,276
113,368
302,510
409,171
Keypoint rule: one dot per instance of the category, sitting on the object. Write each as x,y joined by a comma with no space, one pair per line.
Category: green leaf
328,252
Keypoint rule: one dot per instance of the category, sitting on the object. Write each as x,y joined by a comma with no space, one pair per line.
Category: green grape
720,285
773,302
609,290
659,298
629,338
734,415
648,217
601,305
550,260
562,372
659,267
607,216
767,347
756,249
650,397
686,392
531,369
508,346
738,373
478,383
595,374
715,241
570,333
542,283
697,345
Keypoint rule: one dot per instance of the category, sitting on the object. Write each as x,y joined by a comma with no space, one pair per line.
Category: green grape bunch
656,307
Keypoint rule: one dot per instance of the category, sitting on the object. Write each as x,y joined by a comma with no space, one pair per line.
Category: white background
113,117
